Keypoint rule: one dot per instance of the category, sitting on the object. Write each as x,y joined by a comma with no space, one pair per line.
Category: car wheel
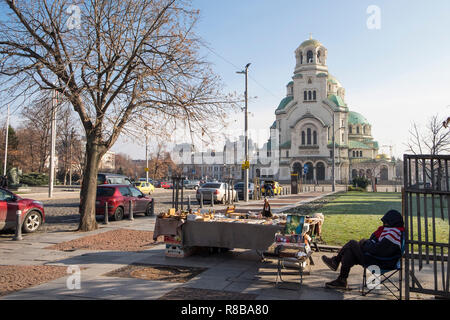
118,214
32,222
148,210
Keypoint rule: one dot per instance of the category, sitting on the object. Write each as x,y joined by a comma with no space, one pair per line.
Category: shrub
34,179
351,188
361,182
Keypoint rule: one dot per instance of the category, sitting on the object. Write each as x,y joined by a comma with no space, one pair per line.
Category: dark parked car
112,178
156,184
119,197
239,187
33,215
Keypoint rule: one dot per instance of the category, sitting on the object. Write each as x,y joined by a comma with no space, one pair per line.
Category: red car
33,215
118,197
166,185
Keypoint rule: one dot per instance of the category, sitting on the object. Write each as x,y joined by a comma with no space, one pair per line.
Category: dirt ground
160,273
114,240
14,278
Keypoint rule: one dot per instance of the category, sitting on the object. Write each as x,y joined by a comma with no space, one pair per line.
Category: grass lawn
356,215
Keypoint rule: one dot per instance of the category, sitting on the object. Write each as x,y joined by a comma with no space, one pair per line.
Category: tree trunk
88,193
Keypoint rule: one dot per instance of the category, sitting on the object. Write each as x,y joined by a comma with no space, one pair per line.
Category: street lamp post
333,186
146,156
246,170
52,145
6,143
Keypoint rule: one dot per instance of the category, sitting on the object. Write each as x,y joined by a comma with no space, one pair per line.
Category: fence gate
426,203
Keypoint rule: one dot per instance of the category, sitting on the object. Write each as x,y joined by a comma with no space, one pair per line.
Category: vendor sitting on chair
385,242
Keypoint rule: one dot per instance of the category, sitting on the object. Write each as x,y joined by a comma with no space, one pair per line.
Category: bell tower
311,55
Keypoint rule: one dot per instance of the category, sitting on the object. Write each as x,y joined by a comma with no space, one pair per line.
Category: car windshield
137,184
105,192
240,185
211,185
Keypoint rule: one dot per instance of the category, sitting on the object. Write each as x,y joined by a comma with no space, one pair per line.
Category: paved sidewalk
237,274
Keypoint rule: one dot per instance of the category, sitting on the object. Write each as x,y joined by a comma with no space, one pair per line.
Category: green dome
284,102
310,42
356,118
333,79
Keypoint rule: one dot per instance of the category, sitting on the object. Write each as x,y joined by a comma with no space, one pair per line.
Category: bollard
131,211
18,235
212,199
189,202
201,199
106,217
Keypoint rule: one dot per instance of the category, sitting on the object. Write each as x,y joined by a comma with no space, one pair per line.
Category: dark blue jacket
384,253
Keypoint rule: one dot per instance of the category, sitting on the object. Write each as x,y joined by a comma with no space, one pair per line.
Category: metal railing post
212,199
189,202
18,234
201,199
106,216
131,211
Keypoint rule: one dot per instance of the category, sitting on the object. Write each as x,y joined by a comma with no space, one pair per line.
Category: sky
394,75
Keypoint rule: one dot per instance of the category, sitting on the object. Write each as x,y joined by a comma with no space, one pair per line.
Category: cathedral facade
312,113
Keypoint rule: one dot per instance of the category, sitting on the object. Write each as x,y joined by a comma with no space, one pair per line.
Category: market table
229,234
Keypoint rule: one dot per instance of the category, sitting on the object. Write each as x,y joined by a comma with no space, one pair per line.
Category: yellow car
277,189
144,187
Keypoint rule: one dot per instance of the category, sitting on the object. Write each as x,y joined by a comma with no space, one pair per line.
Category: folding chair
386,274
289,260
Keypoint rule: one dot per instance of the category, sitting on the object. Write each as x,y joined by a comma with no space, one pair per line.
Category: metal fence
426,203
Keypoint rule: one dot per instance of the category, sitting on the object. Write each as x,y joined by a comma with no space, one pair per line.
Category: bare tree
119,63
434,140
36,119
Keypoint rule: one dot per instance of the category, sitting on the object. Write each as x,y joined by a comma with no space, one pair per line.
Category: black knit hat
393,218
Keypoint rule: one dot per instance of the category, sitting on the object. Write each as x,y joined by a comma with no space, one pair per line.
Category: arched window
314,95
360,154
315,137
343,138
308,136
357,129
305,95
301,58
303,138
318,56
309,56
349,129
353,153
364,129
309,95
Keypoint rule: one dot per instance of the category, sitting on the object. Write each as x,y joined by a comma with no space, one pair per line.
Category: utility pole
246,170
6,142
53,145
70,157
146,156
333,186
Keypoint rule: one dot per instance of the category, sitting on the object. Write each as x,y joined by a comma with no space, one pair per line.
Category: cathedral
312,115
